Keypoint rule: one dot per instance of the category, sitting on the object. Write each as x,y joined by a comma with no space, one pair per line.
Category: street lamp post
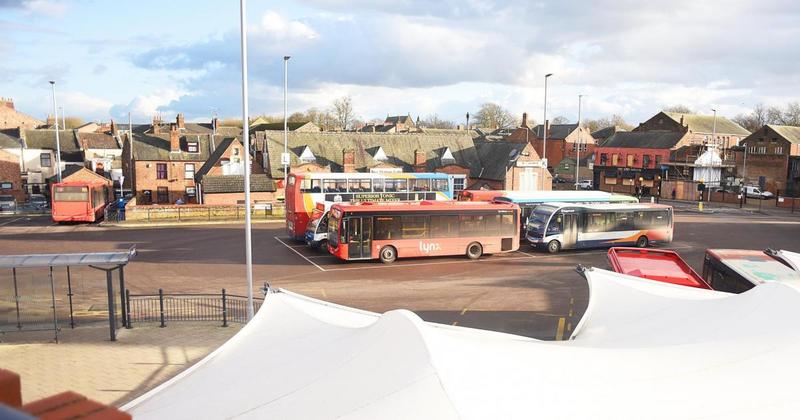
285,157
248,241
578,145
544,123
58,141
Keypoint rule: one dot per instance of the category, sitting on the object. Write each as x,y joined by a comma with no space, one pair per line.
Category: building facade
769,153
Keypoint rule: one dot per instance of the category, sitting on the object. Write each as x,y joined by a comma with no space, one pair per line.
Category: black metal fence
163,308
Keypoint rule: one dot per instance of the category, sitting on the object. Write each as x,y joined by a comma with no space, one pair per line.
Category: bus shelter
108,262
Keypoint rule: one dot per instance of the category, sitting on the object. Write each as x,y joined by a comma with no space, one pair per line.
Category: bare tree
492,115
559,119
343,112
761,115
754,120
680,109
612,121
433,121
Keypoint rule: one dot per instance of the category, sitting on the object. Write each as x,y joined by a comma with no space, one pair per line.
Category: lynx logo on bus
427,248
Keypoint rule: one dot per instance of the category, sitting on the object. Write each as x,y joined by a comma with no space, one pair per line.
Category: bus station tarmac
527,292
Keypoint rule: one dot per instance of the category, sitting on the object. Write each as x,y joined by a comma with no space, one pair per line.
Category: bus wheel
388,254
323,246
642,242
474,251
553,246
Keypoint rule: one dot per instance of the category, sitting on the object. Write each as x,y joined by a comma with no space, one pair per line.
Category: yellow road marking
324,295
569,327
455,323
560,329
464,311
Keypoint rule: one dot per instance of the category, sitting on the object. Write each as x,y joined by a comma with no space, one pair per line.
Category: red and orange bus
429,228
78,201
305,190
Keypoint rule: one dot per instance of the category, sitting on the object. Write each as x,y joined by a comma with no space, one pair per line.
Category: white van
755,192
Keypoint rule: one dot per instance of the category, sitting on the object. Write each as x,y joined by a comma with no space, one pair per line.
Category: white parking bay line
11,221
464,261
298,253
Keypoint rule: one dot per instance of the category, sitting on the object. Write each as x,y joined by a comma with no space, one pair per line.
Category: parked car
559,180
585,184
38,202
724,190
8,204
755,192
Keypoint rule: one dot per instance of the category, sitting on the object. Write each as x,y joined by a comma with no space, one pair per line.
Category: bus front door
570,230
359,243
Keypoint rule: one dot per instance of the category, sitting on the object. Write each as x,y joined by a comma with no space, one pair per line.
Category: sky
399,57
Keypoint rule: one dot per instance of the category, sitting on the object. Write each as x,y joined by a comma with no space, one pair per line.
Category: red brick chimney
113,128
419,161
174,138
156,125
349,160
181,122
524,120
7,102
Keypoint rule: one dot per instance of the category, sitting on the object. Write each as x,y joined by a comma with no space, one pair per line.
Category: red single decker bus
428,228
77,201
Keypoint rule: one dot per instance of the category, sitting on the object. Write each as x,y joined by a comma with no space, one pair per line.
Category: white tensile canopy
708,167
644,349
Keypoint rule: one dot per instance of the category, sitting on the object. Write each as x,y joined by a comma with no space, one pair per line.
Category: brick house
562,140
510,165
625,157
697,130
10,118
160,168
10,175
772,151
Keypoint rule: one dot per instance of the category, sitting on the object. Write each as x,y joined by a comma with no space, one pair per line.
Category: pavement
527,292
85,361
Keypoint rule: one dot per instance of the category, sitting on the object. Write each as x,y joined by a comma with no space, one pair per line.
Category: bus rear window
71,194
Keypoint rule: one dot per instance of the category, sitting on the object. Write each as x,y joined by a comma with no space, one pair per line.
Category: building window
163,195
147,196
5,186
192,147
236,151
603,159
645,161
615,159
658,159
631,159
161,171
762,150
45,161
778,150
459,183
188,171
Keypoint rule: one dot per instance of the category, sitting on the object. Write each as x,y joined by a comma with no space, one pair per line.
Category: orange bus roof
424,205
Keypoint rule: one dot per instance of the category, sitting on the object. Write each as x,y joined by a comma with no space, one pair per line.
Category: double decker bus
558,226
78,201
305,190
388,231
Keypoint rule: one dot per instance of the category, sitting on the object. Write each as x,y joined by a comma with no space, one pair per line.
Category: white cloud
47,7
279,28
80,104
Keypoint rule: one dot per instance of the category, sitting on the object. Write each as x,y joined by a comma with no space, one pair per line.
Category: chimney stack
174,139
113,128
214,124
156,125
7,102
524,120
181,122
419,161
349,160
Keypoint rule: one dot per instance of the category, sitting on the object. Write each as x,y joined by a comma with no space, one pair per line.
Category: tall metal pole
248,246
130,153
58,142
285,121
578,146
544,129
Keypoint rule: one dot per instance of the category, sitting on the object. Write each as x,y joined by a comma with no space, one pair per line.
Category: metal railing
163,308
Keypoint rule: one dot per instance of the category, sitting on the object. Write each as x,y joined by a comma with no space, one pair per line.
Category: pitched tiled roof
399,148
557,131
220,149
235,184
97,141
644,140
398,119
9,142
606,132
705,124
46,139
157,147
496,156
290,126
789,132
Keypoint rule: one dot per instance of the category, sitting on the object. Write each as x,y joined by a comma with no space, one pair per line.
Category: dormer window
380,155
447,156
193,147
307,156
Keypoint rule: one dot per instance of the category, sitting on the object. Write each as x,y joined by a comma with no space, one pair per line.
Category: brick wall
774,167
233,198
9,172
146,179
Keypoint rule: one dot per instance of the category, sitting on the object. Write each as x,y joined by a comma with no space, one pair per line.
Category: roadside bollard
161,304
700,206
224,309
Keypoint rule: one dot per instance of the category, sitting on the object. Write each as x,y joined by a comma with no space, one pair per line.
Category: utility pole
58,141
248,241
578,146
285,157
130,152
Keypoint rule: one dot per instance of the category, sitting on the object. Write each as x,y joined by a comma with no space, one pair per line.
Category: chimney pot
180,121
524,120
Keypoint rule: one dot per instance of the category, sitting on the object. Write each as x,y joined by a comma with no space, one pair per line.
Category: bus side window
441,185
622,221
509,225
470,225
444,226
330,185
377,185
305,185
595,222
315,185
414,227
556,224
386,227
